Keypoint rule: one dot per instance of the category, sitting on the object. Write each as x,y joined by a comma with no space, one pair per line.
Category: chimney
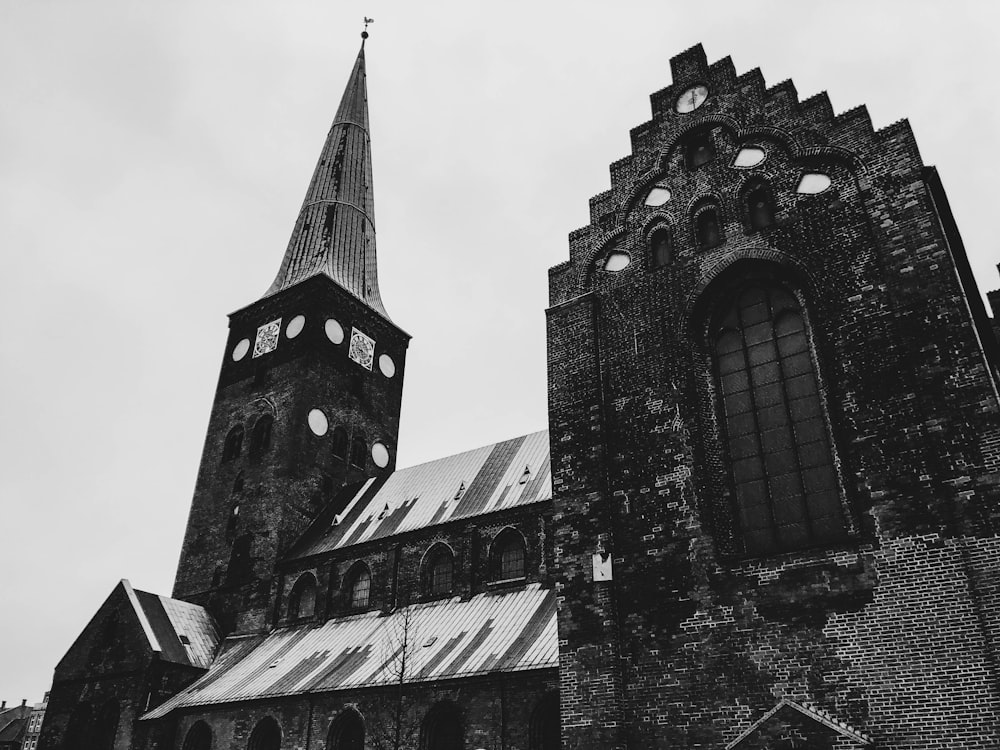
24,702
3,705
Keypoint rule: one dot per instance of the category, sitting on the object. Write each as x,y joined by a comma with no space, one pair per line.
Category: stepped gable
494,477
489,633
745,111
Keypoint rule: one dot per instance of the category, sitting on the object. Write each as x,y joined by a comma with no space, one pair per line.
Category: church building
764,515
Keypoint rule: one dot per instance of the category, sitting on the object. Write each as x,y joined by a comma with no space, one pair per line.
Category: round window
380,455
334,331
318,422
241,349
295,326
386,365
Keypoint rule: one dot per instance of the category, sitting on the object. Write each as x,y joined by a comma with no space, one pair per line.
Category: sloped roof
503,632
502,475
12,722
182,633
789,710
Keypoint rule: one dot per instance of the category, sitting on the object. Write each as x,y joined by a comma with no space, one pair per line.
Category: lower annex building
764,514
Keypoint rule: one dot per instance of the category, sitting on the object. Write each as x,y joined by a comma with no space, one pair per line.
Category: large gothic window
347,732
442,728
781,461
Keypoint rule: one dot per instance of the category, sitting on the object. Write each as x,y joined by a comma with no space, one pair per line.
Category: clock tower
309,394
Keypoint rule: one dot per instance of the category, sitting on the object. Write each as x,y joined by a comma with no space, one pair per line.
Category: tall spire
335,231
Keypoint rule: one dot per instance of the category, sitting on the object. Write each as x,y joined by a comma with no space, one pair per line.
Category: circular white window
318,422
334,331
386,365
617,261
380,455
813,182
295,326
241,349
749,157
658,196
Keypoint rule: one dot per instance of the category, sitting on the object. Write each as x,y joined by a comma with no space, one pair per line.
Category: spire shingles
335,231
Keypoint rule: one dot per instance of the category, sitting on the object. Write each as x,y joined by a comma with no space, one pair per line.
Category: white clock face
691,99
267,338
362,349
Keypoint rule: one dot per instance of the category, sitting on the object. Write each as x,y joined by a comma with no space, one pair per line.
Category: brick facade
891,629
700,605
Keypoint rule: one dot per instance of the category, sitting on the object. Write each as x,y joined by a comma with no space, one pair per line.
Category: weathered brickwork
893,629
278,492
494,712
845,596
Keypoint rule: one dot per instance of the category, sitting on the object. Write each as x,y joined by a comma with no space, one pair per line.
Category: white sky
152,161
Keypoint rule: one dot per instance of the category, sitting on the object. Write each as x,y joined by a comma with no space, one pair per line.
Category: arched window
760,207
359,450
302,600
199,737
359,586
780,455
260,440
699,150
708,230
442,728
234,444
106,727
660,247
507,555
240,563
265,736
347,732
339,443
543,730
439,570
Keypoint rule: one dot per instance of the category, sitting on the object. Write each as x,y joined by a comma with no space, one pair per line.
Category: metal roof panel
510,631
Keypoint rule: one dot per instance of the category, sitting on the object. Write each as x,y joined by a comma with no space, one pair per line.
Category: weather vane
364,34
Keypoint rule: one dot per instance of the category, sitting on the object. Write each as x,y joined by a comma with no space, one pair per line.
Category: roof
12,722
502,475
334,234
790,710
181,632
502,632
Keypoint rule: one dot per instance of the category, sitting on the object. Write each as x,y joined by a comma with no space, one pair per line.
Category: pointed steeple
335,231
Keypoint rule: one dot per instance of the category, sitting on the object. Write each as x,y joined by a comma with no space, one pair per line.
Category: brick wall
692,640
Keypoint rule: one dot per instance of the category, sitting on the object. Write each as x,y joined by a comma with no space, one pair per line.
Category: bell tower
309,393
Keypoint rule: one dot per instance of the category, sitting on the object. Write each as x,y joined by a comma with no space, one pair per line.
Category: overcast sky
153,157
